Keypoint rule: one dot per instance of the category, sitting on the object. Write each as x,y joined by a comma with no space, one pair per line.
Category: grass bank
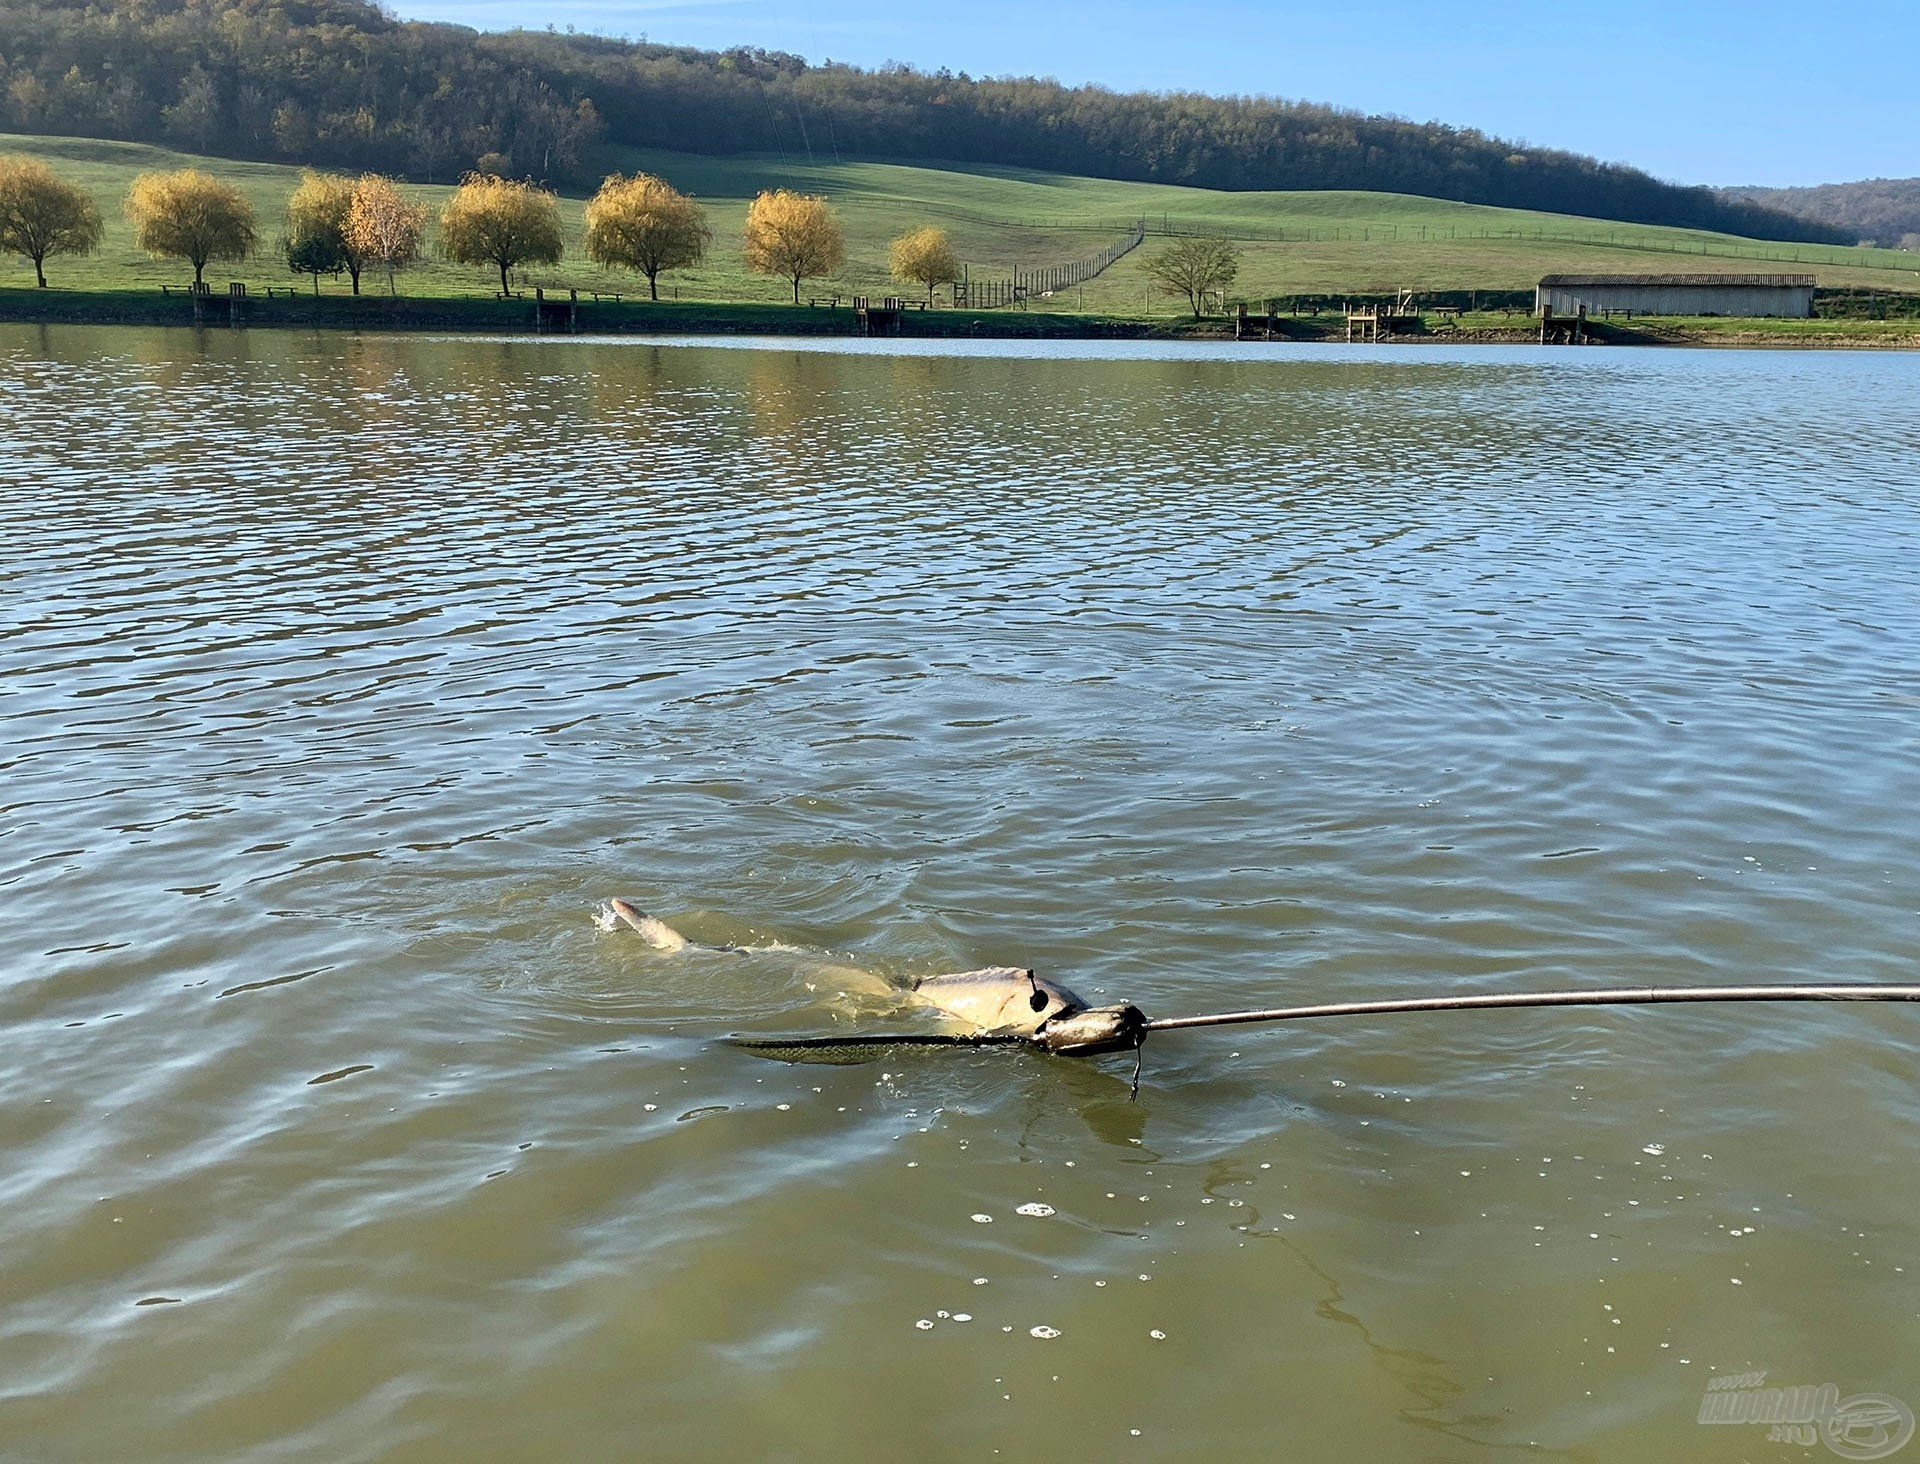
1000,219
518,317
1516,327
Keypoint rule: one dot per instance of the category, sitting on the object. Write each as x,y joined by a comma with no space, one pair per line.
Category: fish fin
973,977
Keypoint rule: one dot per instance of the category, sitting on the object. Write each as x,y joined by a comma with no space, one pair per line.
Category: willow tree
646,224
1195,268
191,216
923,257
794,235
492,221
42,214
383,227
316,228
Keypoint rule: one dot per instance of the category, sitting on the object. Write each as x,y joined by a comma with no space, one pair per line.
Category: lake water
342,679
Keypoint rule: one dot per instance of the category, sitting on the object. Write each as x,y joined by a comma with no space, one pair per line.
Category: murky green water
342,679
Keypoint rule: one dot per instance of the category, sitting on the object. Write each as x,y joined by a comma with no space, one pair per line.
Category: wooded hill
1883,211
344,83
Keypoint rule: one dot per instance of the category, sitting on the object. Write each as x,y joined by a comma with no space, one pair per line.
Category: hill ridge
1882,211
345,83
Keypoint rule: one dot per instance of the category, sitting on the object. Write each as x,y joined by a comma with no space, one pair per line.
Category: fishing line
800,115
773,126
1610,996
1093,1031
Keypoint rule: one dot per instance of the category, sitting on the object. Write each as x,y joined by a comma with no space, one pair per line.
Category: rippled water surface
342,680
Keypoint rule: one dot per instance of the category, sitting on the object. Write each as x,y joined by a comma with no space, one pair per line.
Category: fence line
1434,233
969,293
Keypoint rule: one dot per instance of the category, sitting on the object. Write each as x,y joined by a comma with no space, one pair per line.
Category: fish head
655,932
999,998
1094,1030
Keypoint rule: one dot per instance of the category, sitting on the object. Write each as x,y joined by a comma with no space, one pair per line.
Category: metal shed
1675,294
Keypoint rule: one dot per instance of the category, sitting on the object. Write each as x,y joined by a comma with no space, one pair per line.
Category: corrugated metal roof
1552,282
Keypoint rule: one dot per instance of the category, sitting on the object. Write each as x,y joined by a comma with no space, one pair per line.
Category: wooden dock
1243,324
1378,322
876,320
1563,330
556,314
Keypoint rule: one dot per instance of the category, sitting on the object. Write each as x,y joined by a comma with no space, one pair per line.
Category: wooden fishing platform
556,314
1377,322
1245,324
1563,330
882,319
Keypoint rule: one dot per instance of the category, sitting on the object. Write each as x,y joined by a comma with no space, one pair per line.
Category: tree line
335,225
342,82
1883,211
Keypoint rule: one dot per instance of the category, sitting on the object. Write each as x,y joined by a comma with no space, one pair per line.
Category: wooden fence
1023,284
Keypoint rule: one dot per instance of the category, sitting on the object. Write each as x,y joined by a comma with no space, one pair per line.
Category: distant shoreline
376,313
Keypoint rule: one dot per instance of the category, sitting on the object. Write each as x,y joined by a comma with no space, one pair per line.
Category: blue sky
1703,91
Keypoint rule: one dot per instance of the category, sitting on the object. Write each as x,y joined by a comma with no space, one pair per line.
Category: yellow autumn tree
191,216
490,220
923,257
315,239
794,235
646,224
383,227
42,214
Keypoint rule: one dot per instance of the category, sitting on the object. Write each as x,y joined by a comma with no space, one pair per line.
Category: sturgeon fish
993,999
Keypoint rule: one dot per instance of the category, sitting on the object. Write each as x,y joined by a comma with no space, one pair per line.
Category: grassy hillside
1324,242
349,84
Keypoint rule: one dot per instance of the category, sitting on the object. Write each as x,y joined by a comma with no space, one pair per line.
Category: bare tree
1195,268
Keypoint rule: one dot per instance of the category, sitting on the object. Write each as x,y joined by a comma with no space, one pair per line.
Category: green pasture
1000,219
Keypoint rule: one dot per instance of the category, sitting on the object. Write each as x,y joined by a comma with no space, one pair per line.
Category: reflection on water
343,678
